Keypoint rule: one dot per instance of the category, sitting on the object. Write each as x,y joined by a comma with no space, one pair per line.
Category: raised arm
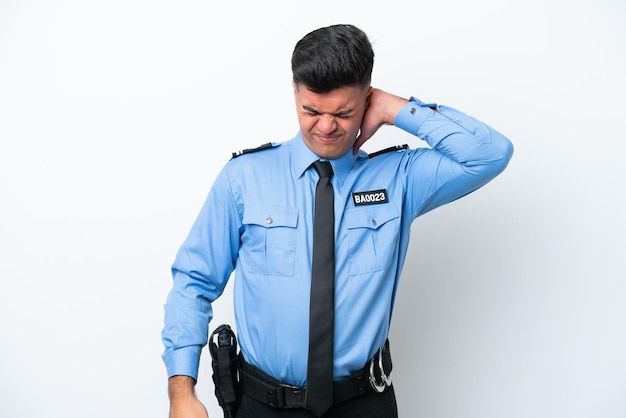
463,155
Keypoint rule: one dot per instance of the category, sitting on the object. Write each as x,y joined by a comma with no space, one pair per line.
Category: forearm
187,314
464,140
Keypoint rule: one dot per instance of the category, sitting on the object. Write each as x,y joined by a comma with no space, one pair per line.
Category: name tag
370,198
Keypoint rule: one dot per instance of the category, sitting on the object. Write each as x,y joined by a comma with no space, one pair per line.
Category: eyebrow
339,113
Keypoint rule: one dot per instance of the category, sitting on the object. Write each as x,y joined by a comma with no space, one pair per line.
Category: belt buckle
385,380
293,396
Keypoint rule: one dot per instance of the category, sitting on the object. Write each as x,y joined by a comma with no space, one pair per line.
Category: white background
115,117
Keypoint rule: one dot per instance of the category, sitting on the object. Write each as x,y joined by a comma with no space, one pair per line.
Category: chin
331,155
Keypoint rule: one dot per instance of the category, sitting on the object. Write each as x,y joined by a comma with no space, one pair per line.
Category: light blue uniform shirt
258,221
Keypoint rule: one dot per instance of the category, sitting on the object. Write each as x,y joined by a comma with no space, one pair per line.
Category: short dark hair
332,57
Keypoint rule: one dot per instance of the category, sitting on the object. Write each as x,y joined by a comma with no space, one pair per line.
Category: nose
326,123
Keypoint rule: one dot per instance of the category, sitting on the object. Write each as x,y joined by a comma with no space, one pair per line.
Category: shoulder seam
251,150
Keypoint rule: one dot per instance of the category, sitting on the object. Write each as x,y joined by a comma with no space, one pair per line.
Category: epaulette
251,150
390,149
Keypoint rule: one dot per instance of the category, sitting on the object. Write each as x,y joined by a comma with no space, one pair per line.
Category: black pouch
225,365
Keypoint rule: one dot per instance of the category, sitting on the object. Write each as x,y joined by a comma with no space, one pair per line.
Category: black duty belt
264,388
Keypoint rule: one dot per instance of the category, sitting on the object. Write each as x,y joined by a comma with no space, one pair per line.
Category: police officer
258,221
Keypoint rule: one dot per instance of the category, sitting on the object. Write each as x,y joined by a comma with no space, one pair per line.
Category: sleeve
463,155
200,272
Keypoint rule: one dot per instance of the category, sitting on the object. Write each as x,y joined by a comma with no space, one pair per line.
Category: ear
369,94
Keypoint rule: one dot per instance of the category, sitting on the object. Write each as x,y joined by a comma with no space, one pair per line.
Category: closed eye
309,111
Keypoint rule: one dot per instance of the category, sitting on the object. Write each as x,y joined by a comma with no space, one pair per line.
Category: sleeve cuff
413,114
183,361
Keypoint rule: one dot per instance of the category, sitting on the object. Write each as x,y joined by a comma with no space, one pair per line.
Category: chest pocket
269,241
373,237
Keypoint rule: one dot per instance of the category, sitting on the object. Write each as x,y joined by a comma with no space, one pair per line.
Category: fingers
363,136
360,140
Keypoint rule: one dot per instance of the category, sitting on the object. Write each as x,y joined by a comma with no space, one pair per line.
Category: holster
225,365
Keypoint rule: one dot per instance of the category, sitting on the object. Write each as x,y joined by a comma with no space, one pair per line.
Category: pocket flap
371,216
270,216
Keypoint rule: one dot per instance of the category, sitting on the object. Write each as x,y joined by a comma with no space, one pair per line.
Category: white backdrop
115,117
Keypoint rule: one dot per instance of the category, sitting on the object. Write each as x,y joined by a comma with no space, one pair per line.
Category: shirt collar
303,157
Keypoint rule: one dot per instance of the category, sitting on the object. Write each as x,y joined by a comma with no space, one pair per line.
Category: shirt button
269,220
412,110
373,221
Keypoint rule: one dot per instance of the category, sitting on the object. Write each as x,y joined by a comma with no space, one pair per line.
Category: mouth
328,139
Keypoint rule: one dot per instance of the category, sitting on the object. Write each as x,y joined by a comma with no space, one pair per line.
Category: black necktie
319,391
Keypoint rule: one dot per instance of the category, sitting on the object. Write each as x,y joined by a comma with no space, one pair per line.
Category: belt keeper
361,384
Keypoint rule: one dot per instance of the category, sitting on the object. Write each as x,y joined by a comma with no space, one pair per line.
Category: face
330,122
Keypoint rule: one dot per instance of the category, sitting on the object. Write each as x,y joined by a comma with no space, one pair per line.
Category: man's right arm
183,400
202,267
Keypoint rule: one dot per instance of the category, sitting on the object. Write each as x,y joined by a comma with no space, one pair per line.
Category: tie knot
323,168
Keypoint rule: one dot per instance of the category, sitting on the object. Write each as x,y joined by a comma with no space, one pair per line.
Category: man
258,220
